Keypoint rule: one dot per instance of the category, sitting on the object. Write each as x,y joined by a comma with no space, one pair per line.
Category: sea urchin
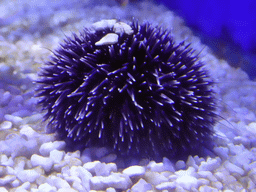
129,88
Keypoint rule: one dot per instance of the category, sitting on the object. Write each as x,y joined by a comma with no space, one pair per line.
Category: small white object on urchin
109,39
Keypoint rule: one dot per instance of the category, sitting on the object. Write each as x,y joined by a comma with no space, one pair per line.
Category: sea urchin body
135,92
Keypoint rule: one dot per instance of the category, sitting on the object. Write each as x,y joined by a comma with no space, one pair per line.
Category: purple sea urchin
136,92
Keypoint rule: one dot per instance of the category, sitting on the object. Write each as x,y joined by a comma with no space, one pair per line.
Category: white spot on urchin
109,39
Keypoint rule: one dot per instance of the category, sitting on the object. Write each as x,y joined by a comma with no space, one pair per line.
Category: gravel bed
32,160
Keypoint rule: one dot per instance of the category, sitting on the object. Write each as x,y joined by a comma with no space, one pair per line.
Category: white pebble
66,190
121,27
57,156
29,175
110,189
210,164
24,187
3,189
28,131
6,125
187,182
141,186
233,168
57,182
45,162
46,148
134,171
7,179
205,188
166,186
221,152
180,165
155,178
115,180
104,24
16,120
191,162
45,187
109,39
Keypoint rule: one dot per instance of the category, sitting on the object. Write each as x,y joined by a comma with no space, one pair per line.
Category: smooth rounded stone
210,165
252,127
46,148
16,120
187,182
32,119
190,171
4,160
121,27
57,182
141,186
110,189
45,162
180,165
115,180
7,179
243,159
2,170
221,152
16,183
5,98
202,181
206,188
24,187
76,185
22,113
66,190
109,158
233,168
108,39
218,185
3,189
45,187
70,155
207,174
154,178
100,169
28,131
242,140
85,176
57,156
29,175
134,171
103,24
235,149
6,125
166,186
191,162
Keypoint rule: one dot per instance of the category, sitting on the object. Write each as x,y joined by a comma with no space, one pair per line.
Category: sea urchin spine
137,92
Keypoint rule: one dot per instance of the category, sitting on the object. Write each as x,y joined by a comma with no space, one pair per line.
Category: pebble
45,187
134,171
45,162
110,189
210,164
191,162
16,120
115,180
57,182
180,165
141,186
7,179
221,152
3,189
28,131
29,175
46,148
233,168
154,178
6,125
109,39
57,156
206,188
166,186
187,182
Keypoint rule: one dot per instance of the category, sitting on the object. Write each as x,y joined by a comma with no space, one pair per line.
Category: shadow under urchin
142,96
